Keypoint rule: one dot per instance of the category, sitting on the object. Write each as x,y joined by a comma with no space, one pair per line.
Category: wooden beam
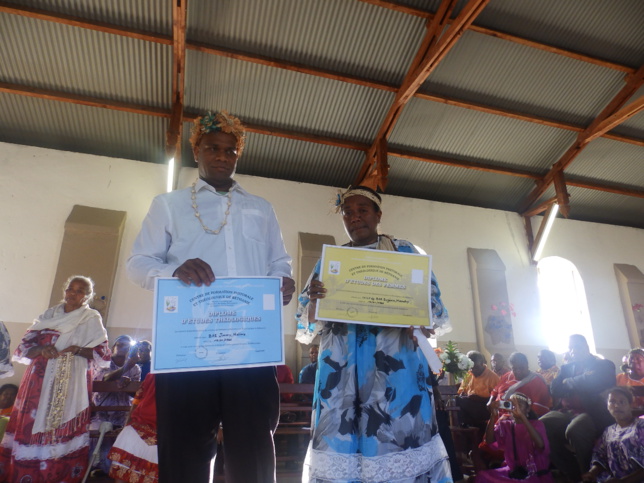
540,208
563,198
552,49
450,101
298,136
84,23
290,66
489,168
590,185
175,127
398,7
617,118
82,100
382,165
391,5
436,44
633,83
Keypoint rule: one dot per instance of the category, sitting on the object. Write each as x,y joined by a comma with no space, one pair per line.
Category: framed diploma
375,287
233,323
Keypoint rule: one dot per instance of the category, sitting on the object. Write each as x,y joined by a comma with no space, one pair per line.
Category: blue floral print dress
620,450
373,412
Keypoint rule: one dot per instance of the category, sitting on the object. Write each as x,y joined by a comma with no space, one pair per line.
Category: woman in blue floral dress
373,411
619,454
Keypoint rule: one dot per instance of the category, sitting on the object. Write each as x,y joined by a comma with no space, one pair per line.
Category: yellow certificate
375,287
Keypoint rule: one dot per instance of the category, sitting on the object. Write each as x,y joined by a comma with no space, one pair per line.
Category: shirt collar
201,184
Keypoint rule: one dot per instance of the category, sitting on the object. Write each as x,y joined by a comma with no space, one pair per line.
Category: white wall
38,188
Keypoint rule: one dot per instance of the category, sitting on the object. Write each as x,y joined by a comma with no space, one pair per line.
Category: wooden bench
466,440
293,434
111,386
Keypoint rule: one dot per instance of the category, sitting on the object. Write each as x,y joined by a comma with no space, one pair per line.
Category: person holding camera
522,438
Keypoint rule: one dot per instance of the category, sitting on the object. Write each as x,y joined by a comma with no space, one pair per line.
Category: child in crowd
619,455
633,373
524,443
8,394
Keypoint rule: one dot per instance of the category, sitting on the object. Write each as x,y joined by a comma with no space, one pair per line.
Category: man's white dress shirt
249,244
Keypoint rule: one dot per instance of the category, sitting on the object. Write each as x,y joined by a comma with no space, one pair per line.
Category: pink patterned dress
534,460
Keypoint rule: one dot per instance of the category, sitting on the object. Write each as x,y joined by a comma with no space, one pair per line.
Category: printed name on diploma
222,317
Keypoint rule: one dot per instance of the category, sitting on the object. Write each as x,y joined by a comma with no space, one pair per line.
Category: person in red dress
134,453
47,437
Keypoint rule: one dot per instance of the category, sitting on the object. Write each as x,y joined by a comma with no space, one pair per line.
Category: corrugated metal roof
455,185
292,160
492,71
82,129
345,36
465,134
352,38
611,30
290,100
148,15
610,161
49,55
602,207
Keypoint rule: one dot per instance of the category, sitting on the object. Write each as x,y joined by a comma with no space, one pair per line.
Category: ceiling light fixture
544,231
170,175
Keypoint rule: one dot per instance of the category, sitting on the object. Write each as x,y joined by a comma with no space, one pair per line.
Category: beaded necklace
193,196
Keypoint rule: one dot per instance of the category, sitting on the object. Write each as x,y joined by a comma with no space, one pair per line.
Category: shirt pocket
254,225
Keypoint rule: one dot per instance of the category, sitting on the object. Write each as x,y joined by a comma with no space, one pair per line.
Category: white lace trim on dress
391,467
49,451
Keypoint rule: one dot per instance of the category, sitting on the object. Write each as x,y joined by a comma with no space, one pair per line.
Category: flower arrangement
454,361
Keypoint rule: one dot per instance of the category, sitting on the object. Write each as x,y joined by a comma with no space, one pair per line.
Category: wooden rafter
84,23
437,42
175,127
298,136
325,73
488,168
52,95
174,134
562,196
617,190
537,210
611,115
391,5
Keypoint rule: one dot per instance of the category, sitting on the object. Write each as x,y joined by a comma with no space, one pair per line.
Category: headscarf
358,190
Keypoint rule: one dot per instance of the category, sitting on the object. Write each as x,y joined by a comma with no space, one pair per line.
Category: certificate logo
334,267
170,304
201,352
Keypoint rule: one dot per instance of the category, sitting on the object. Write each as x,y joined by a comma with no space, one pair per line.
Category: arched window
564,310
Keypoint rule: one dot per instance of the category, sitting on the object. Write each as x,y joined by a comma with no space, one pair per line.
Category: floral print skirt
373,414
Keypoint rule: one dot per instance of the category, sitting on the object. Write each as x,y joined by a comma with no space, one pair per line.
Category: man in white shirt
215,228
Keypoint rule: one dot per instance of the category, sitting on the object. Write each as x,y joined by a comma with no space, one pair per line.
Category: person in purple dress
524,444
619,454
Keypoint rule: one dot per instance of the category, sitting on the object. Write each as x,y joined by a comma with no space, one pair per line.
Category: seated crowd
578,420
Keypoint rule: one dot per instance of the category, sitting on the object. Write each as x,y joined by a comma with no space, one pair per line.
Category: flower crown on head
342,195
219,122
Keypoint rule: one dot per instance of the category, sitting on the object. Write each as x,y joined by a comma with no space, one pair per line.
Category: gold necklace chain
193,196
